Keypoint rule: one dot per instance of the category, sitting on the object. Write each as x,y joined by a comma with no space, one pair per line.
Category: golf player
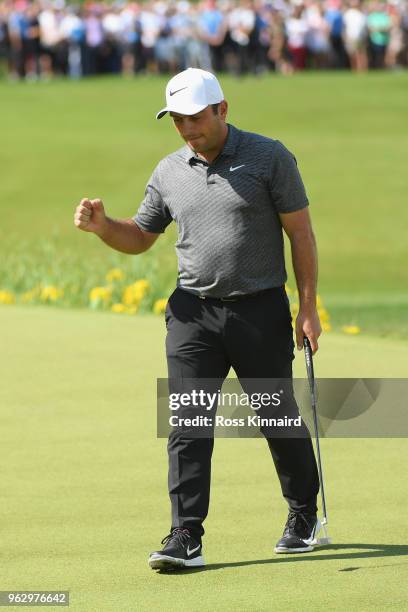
230,193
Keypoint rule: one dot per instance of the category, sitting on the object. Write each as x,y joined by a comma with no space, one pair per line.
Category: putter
312,385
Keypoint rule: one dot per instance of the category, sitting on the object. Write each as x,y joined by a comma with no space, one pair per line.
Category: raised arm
123,235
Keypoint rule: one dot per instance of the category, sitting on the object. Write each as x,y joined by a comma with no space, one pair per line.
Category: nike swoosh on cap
176,91
236,167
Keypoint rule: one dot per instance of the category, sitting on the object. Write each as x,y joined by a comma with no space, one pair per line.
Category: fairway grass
84,481
98,138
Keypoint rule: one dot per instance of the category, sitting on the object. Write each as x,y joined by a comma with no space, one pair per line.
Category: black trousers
205,338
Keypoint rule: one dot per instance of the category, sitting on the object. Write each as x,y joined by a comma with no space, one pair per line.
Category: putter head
321,526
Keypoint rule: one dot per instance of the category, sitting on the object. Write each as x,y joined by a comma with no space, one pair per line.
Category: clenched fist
90,216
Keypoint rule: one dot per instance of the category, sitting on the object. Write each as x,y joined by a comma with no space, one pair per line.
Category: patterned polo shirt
230,239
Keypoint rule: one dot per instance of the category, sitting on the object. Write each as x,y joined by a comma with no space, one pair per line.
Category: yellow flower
51,294
7,297
160,306
323,315
351,329
119,308
100,294
134,293
29,296
122,308
142,285
114,274
326,326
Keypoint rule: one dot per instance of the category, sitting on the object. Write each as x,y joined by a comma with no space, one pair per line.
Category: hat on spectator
190,91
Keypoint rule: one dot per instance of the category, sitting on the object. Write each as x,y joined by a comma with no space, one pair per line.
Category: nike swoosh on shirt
236,167
177,90
190,552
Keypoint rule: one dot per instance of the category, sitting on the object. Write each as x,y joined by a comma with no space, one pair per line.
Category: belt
236,298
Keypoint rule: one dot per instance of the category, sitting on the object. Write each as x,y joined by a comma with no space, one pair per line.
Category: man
230,192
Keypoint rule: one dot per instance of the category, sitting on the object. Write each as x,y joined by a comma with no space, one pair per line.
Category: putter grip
308,358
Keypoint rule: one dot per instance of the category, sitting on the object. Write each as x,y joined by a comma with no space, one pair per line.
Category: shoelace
298,520
182,536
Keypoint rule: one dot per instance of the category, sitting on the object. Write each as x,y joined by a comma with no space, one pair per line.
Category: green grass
83,476
84,481
99,138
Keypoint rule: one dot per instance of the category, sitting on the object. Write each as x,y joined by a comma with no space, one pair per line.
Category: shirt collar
229,148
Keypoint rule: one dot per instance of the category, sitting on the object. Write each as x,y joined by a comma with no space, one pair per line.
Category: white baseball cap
190,91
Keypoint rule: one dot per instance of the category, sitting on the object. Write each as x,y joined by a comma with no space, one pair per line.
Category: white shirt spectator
317,38
50,32
112,24
296,30
241,22
128,25
354,24
151,25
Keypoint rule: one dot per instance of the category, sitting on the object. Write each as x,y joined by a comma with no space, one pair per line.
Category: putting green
84,481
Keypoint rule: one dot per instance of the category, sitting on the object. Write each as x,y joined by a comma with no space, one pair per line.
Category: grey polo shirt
230,239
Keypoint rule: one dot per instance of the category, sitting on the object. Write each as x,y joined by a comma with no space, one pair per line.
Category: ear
223,109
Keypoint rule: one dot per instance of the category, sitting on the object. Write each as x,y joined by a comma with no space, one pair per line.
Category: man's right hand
90,216
123,235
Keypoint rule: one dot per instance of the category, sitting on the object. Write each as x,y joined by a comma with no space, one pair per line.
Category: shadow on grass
333,551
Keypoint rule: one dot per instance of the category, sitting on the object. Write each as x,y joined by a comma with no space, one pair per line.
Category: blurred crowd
43,38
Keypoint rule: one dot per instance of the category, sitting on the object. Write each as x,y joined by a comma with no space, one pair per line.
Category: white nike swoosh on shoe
190,552
236,167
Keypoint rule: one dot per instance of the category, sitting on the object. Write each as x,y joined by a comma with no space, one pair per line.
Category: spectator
112,27
4,38
396,42
31,43
260,39
94,39
51,57
296,32
17,25
129,40
355,36
43,38
317,37
379,26
166,47
73,30
214,28
334,17
192,44
151,24
404,28
241,23
278,53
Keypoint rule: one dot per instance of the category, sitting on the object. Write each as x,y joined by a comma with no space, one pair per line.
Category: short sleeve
153,215
286,186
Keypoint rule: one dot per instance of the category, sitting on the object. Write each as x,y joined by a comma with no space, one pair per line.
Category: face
204,131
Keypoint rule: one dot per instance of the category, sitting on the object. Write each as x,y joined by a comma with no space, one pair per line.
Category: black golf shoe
180,550
299,534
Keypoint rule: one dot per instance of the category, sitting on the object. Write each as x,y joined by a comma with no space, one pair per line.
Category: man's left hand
308,324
